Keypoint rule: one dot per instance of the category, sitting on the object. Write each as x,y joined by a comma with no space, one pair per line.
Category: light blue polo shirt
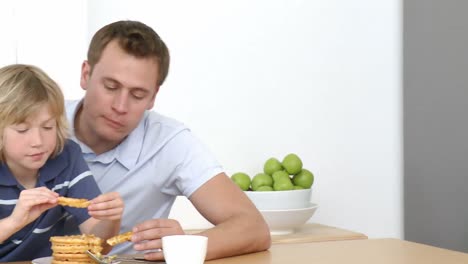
69,176
159,160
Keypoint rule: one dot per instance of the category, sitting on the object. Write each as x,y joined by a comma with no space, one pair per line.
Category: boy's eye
21,130
48,127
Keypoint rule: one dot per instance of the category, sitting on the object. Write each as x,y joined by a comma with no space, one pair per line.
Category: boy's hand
31,204
107,206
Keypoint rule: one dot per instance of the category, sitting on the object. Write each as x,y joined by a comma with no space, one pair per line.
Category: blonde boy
38,164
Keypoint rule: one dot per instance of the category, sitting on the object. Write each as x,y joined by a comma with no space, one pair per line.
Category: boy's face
28,145
118,91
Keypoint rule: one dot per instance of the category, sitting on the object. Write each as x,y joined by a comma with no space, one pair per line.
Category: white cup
184,249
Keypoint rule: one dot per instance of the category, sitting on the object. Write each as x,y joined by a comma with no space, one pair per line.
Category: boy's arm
30,205
106,212
102,228
8,227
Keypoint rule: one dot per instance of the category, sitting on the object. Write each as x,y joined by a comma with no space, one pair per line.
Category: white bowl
283,222
278,200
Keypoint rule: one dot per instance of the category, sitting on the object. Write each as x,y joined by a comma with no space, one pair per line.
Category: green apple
279,174
242,180
261,179
304,178
283,184
292,164
271,166
265,188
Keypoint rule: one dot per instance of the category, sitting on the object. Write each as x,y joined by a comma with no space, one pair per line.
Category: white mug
184,249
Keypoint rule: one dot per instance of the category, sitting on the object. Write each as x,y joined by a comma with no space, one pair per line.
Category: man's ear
151,104
85,71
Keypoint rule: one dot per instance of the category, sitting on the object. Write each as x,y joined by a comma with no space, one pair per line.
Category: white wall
7,28
52,34
256,79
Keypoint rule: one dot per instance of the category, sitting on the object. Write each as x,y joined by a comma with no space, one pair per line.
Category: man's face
118,91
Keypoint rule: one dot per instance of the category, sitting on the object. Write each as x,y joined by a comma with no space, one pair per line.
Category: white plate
44,260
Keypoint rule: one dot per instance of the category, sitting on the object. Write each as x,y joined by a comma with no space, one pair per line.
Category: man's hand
31,204
107,206
147,236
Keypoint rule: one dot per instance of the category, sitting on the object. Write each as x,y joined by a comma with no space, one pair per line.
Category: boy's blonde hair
24,89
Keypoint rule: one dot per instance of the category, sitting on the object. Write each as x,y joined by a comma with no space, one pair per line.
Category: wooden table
311,232
317,233
362,251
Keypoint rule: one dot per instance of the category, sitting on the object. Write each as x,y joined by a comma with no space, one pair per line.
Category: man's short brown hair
136,39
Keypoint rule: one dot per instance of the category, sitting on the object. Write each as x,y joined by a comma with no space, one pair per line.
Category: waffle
127,236
73,202
72,249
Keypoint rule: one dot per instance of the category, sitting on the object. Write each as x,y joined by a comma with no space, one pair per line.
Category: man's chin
114,136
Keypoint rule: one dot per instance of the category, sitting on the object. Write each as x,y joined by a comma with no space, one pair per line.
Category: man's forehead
115,65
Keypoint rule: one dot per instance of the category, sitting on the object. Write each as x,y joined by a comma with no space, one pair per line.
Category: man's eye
138,96
108,87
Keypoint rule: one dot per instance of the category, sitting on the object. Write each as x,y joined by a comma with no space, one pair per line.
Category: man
148,158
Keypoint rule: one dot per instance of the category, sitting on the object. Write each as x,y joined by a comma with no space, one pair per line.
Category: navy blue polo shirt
67,174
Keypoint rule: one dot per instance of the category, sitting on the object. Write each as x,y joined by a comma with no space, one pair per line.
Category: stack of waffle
72,249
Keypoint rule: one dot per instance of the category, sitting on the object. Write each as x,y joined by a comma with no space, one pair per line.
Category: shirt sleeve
195,163
81,183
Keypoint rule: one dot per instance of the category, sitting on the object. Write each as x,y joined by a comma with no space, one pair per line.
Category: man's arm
239,226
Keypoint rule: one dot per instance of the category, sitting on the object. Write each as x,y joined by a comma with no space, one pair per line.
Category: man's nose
120,102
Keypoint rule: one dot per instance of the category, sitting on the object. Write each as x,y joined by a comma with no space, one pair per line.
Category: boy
38,164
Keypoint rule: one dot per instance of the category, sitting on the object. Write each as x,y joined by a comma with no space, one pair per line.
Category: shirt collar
7,179
127,152
51,169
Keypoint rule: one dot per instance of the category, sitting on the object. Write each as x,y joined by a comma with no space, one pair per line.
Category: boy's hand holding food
107,206
31,204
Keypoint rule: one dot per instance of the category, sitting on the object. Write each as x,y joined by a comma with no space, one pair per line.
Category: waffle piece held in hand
127,236
73,202
72,249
